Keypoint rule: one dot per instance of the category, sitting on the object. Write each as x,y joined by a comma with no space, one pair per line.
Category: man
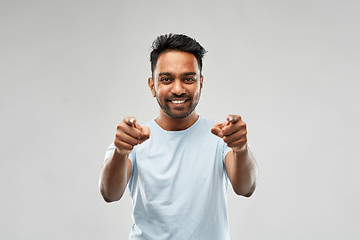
178,166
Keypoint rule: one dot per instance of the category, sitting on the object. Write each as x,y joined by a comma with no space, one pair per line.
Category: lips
178,100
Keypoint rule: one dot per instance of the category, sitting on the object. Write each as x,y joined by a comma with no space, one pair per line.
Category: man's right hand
129,134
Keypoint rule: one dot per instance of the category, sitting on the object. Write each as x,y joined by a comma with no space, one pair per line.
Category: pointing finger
232,128
130,121
233,118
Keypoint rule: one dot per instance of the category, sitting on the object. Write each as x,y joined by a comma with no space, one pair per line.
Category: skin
177,84
240,163
176,77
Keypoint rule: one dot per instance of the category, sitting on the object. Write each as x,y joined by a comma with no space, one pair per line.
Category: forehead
177,62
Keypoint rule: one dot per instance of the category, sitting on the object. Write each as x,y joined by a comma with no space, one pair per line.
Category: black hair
176,42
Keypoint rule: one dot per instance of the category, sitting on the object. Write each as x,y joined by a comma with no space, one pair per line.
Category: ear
151,86
201,81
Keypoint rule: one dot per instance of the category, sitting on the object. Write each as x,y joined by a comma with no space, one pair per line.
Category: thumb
217,130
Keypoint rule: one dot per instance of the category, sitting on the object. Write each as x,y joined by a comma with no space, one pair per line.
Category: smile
178,101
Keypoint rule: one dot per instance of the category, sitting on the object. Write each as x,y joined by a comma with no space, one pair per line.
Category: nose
177,88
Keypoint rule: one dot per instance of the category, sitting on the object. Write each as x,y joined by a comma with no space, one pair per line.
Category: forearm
244,172
113,177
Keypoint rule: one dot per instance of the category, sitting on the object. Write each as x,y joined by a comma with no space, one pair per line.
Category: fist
129,134
233,132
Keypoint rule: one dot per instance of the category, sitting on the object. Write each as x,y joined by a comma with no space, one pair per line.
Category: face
176,83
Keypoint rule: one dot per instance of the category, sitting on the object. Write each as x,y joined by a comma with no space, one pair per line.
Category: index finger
135,129
233,118
130,121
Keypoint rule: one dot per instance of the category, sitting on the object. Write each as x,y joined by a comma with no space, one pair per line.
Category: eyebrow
189,73
164,74
169,74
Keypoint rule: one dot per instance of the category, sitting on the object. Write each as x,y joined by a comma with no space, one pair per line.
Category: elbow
109,197
248,194
245,192
109,200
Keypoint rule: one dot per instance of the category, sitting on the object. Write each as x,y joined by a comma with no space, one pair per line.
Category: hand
130,134
233,132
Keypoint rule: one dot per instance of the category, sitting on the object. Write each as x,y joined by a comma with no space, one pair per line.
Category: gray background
71,70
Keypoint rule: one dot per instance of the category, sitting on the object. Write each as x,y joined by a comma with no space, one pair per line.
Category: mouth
179,101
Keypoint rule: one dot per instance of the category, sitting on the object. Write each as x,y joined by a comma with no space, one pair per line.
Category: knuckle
129,147
139,134
125,146
120,127
119,135
117,143
231,145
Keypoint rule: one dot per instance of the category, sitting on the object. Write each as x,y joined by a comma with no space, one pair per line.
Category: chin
181,114
177,116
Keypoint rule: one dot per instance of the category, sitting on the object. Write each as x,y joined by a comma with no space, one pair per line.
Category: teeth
178,101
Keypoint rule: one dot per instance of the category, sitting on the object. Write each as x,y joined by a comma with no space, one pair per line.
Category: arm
116,170
114,176
240,163
242,170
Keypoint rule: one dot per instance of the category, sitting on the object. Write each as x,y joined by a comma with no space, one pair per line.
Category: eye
165,80
190,80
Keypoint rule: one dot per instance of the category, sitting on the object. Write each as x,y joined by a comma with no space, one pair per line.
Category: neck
176,124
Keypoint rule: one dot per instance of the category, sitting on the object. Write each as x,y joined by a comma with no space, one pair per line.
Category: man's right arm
114,176
116,170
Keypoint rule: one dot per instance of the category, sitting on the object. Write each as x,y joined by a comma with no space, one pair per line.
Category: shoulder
206,123
203,128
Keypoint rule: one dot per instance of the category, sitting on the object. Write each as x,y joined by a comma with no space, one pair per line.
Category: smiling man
178,167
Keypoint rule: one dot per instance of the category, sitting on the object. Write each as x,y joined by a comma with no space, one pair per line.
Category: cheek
160,91
196,91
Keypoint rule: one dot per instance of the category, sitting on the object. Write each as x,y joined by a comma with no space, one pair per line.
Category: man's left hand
233,132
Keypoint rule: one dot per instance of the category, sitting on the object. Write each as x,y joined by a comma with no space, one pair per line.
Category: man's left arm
240,163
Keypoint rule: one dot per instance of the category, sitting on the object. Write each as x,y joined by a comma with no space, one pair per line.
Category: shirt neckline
176,132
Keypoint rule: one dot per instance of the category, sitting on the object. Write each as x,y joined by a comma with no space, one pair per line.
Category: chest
168,165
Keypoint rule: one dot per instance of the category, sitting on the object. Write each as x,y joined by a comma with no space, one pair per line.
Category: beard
178,113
